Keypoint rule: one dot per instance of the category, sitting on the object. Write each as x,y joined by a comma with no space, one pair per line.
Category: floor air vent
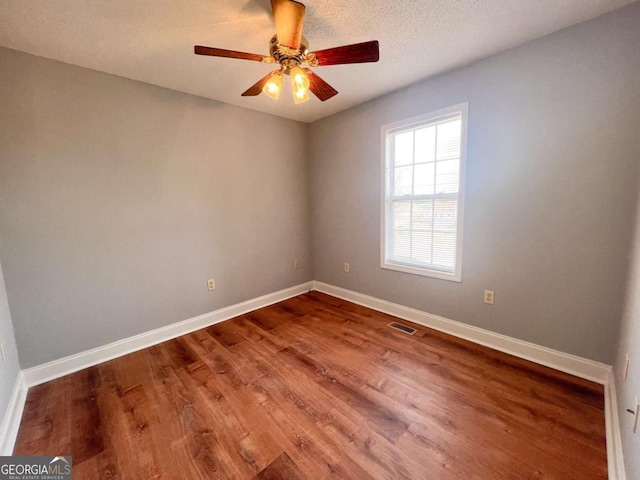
403,328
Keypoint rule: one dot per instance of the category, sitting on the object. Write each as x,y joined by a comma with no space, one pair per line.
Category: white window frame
412,123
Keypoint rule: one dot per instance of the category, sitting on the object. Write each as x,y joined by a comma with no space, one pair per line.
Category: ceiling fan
290,49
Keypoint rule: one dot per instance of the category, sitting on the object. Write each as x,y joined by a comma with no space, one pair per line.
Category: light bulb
273,87
300,82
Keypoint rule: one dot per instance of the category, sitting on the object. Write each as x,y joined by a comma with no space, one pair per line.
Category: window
423,180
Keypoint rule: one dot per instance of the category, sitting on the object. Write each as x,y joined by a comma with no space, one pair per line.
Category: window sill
424,272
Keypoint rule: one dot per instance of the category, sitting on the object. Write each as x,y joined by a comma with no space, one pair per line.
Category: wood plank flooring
316,387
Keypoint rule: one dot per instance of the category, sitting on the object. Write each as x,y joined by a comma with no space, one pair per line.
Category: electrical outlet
296,264
489,297
211,284
346,267
625,367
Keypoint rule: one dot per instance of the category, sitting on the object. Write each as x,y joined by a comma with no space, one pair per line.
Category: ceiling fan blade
220,52
289,18
256,89
356,53
319,87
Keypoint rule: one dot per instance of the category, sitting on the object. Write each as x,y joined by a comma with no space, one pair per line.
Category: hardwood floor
316,387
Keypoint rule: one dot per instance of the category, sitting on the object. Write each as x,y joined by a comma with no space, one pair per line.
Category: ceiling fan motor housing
286,56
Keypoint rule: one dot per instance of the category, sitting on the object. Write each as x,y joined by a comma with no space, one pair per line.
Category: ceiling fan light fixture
300,95
301,83
273,87
299,77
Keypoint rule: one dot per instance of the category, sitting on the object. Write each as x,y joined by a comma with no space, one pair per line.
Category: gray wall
118,200
629,342
10,368
551,188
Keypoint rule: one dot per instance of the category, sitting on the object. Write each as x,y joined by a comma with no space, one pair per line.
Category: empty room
259,239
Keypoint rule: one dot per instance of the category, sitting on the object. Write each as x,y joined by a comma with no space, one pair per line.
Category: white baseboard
615,458
578,366
64,366
12,416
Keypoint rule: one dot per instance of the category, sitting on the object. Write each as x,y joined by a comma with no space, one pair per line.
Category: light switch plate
625,371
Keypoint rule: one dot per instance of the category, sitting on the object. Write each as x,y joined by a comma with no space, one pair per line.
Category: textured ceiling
152,40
